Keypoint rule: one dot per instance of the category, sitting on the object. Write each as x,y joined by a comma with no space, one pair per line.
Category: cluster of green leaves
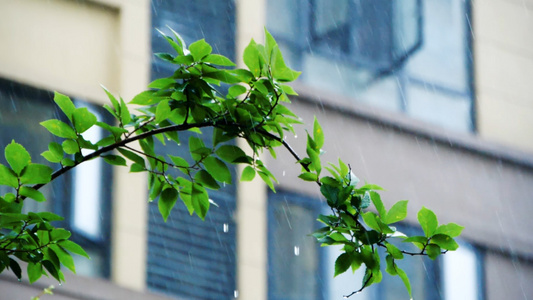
30,237
360,231
205,91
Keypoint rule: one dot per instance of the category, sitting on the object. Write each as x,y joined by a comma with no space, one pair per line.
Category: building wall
74,47
483,182
503,51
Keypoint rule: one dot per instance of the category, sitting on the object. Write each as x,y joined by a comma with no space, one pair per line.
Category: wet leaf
217,169
83,119
428,221
17,156
248,173
59,129
200,49
166,202
36,174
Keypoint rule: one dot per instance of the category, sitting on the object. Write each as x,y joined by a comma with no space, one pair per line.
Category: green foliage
191,100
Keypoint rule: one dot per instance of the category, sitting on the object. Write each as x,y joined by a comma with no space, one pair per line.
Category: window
81,196
188,257
410,56
298,268
294,259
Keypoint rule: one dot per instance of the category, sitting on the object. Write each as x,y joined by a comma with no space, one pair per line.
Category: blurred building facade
427,98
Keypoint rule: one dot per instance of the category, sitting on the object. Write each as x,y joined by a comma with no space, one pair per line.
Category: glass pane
461,274
293,255
357,49
87,200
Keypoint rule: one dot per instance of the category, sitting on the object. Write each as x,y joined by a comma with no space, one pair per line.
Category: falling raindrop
283,173
296,250
225,227
295,136
235,293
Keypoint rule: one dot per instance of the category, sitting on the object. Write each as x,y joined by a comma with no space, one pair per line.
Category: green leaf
342,263
112,98
114,160
178,46
331,194
418,241
376,200
270,43
8,177
373,187
318,135
397,212
162,111
450,229
65,104
59,129
288,89
70,147
403,276
36,174
32,193
83,119
391,265
166,202
50,217
217,59
200,200
58,234
394,251
200,49
248,173
428,221
267,180
374,222
125,115
73,247
251,58
15,267
230,153
132,156
236,90
433,251
64,257
279,70
179,162
17,156
445,242
162,83
308,176
56,151
206,180
146,98
35,270
195,144
217,169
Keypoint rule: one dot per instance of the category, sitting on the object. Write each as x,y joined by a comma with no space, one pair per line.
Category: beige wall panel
493,200
506,24
508,277
251,212
70,46
502,120
502,71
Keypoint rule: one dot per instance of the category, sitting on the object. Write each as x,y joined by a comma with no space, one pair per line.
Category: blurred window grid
298,268
413,57
81,196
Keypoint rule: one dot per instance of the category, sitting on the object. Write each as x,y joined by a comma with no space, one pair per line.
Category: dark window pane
22,108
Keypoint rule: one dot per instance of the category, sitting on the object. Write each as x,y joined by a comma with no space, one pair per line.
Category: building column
251,216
